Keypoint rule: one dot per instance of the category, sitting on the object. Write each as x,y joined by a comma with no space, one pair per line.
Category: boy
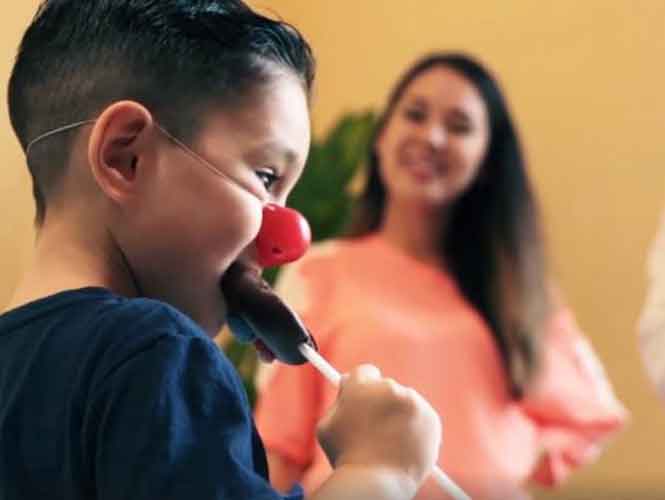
110,386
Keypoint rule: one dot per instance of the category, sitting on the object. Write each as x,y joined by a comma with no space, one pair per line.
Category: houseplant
325,195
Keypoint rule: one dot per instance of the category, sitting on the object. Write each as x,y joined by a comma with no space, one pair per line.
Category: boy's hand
376,422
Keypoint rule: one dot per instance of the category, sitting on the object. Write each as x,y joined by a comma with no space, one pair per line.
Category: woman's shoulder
332,257
330,271
333,249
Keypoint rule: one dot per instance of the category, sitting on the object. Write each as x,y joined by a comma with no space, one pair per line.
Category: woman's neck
415,230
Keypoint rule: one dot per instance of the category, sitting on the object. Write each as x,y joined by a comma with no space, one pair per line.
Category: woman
443,285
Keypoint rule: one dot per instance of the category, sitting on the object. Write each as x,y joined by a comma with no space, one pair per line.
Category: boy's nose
284,236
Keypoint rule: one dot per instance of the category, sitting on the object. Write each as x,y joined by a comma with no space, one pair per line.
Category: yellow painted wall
16,210
585,81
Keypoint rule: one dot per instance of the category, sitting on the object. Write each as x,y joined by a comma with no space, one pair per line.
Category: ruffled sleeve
572,402
651,325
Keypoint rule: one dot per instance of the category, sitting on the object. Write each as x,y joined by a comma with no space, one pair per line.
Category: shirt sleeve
172,422
572,402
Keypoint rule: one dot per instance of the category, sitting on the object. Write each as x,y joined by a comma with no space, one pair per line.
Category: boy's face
191,223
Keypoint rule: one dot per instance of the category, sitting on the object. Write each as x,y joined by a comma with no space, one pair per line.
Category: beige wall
584,79
15,198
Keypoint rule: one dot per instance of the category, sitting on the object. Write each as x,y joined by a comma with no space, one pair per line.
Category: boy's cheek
249,256
241,223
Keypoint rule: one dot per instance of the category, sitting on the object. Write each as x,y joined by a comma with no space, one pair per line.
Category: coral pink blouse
366,302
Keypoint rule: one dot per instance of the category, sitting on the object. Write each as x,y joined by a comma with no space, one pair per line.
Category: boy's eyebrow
274,149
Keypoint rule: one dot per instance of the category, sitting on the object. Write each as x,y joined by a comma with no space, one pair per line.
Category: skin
145,207
430,152
137,214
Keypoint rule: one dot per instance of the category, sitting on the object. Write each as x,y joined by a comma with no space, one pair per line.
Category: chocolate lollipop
255,311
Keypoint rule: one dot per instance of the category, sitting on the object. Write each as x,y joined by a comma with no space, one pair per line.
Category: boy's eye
268,177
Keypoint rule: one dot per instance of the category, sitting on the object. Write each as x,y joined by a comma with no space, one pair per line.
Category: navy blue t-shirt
109,398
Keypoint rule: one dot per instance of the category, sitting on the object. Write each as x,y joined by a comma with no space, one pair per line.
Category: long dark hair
493,243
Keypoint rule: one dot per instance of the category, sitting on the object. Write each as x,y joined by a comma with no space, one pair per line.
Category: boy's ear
118,147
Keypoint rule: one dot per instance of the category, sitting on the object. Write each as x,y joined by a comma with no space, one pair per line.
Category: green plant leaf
323,197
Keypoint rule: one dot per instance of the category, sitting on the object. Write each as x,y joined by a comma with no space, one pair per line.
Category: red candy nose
284,236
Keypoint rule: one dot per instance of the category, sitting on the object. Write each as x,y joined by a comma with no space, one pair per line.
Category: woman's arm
572,402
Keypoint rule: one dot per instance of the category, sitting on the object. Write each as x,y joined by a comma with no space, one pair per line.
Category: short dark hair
493,243
176,57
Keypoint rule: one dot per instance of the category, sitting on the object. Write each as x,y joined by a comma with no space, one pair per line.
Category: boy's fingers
360,374
366,373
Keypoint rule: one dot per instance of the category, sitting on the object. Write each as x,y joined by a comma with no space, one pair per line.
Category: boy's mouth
265,354
258,315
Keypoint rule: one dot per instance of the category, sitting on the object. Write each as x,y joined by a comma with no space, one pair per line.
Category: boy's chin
207,308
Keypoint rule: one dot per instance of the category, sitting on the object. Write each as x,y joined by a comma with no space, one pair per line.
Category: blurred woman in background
443,284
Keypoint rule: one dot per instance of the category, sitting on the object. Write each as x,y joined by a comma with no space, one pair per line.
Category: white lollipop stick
329,372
